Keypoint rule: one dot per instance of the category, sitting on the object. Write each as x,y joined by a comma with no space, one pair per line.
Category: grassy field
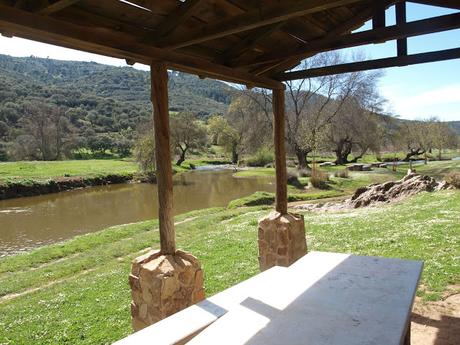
76,292
36,170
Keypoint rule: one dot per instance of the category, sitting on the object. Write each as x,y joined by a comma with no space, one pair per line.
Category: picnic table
322,299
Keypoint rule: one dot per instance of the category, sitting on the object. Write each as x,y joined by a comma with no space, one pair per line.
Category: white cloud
443,102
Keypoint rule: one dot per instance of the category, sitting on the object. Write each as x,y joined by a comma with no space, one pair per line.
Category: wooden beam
252,20
116,44
280,150
378,19
159,81
415,28
177,17
454,4
442,55
401,20
56,6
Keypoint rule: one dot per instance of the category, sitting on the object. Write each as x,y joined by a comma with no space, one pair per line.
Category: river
27,223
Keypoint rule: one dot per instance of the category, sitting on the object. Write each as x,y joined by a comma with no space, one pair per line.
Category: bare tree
444,137
313,103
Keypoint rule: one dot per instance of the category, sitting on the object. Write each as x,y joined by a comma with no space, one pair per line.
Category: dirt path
436,323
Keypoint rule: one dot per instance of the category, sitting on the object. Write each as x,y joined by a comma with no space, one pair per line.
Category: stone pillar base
281,240
162,285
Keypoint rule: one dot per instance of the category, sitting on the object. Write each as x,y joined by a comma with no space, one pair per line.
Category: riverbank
19,179
77,292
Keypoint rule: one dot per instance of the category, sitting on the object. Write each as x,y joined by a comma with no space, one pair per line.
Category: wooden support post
159,80
280,150
401,20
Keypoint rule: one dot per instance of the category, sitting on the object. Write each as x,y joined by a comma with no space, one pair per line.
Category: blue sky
413,92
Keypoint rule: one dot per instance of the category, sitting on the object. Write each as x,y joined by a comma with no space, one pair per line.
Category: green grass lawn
77,292
36,170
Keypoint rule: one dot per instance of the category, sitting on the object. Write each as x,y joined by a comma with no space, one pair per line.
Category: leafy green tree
216,125
144,153
186,133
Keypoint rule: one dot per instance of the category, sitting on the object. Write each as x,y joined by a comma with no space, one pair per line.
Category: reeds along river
31,222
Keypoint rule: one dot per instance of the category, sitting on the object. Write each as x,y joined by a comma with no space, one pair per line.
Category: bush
453,178
342,173
262,157
319,178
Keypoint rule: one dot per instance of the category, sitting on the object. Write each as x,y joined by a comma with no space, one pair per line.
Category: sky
413,92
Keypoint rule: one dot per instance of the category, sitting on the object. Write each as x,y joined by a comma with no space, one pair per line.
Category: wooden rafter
414,59
176,18
454,4
252,20
116,44
415,28
401,44
56,6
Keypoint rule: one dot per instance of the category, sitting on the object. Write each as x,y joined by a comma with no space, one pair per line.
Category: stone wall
162,285
281,240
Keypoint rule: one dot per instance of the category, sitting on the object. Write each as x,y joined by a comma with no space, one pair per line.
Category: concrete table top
323,299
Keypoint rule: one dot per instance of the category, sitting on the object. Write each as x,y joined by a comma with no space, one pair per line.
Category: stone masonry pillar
162,285
281,239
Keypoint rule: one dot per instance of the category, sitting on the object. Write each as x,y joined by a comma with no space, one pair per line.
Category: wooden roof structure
252,42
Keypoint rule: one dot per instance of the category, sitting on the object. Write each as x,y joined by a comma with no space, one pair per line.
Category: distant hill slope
81,84
455,125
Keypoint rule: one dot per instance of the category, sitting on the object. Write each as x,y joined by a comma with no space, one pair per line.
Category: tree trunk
342,152
412,153
302,158
181,157
234,155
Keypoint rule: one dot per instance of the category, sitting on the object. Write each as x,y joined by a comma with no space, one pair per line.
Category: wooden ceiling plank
116,44
250,42
252,20
176,18
56,6
415,28
442,55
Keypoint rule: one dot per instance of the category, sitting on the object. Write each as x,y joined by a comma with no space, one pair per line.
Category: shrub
262,157
319,178
342,173
453,178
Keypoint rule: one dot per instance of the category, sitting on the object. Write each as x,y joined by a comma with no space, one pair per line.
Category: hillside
455,125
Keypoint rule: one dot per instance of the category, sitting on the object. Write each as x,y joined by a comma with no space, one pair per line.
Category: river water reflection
30,222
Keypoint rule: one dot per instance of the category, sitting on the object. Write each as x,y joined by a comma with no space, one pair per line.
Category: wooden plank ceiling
245,41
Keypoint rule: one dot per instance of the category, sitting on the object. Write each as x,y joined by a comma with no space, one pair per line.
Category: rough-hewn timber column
163,281
281,234
159,80
280,150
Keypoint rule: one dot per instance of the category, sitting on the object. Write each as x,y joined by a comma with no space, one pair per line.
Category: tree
444,136
216,125
144,152
186,133
247,126
415,137
356,128
49,130
313,103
